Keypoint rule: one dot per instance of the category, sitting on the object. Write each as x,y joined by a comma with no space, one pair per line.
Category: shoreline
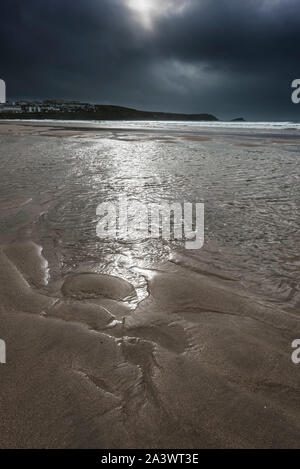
68,129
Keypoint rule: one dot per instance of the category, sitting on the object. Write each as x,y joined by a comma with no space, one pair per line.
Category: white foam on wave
174,124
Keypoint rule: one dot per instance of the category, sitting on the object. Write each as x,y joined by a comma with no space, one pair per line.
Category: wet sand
200,362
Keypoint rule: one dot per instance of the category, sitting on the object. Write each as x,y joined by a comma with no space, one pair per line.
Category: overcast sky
230,58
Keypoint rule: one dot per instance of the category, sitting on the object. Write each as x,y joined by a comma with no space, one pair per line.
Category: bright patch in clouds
146,11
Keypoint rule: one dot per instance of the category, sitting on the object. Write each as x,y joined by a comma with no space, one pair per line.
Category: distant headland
73,110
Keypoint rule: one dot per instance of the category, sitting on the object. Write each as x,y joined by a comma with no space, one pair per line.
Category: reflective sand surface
143,343
250,187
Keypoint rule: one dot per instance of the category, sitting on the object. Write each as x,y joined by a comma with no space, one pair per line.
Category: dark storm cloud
228,57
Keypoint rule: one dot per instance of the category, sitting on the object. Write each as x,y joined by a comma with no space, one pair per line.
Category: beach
143,343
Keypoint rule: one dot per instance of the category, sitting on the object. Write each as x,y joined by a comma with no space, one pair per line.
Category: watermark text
2,351
133,220
2,92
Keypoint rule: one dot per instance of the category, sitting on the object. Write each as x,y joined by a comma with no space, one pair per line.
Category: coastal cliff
106,112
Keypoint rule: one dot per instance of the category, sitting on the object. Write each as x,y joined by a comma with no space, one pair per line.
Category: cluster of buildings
46,106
